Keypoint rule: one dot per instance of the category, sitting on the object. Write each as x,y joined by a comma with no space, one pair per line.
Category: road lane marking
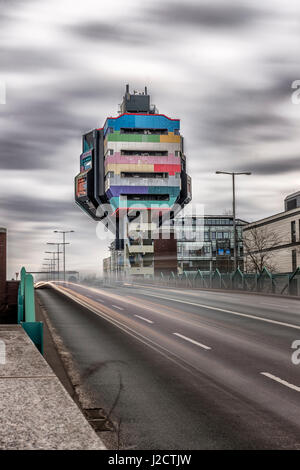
276,305
92,297
283,382
232,312
192,341
120,308
145,319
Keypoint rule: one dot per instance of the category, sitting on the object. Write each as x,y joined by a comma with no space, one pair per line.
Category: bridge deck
36,412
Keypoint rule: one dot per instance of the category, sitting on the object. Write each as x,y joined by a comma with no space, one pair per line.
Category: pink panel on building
147,159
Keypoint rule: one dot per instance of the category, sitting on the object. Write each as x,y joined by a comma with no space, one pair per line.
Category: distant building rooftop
292,201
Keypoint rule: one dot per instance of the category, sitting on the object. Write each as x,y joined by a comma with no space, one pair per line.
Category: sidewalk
36,412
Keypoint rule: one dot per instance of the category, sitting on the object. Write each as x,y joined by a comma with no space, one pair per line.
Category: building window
219,235
213,235
145,153
132,174
145,131
293,231
291,204
206,236
294,260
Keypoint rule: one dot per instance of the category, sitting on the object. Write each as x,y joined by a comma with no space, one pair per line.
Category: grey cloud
278,166
110,33
244,116
20,154
28,60
38,132
41,126
45,119
35,209
206,15
87,88
8,9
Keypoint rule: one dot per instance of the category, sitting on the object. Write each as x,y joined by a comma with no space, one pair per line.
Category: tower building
133,169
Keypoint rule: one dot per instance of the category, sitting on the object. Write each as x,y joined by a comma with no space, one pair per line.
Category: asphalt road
186,369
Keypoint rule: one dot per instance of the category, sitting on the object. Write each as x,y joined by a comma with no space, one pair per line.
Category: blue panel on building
148,121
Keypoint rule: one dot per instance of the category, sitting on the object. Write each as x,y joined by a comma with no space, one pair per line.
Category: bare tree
259,243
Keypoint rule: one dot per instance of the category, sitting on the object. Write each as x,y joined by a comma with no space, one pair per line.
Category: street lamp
51,265
58,253
54,253
48,269
64,245
234,174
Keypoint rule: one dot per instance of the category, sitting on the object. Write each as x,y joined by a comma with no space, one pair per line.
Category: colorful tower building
134,165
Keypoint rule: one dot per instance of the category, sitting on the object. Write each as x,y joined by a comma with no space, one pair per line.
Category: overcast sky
225,68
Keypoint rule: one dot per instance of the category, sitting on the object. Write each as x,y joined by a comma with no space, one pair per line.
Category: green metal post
20,306
21,292
29,299
23,274
26,310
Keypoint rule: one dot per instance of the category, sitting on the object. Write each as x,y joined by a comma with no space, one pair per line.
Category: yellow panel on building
170,138
117,168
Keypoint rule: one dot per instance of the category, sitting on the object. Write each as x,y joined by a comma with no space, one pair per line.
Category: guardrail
26,310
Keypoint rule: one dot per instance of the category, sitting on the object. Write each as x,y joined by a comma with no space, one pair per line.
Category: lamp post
64,247
55,253
233,174
50,265
52,260
58,253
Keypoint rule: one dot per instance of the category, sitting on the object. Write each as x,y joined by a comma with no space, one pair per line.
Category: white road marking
92,298
247,315
120,308
192,341
145,319
283,382
274,305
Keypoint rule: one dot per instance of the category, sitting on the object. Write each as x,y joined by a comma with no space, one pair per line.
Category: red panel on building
167,168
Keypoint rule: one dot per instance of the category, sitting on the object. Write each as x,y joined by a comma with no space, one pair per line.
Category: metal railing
26,310
264,282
